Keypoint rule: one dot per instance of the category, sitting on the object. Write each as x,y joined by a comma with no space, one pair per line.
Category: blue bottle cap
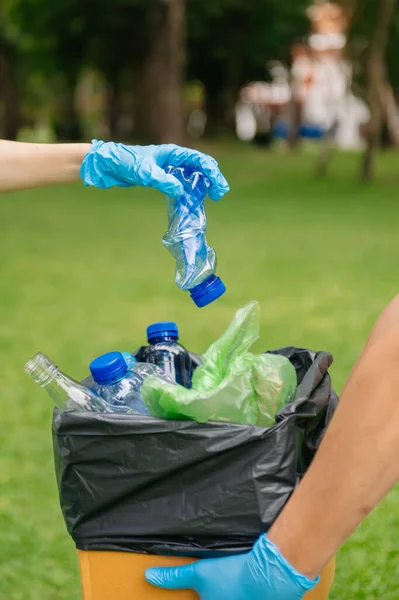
207,291
162,329
108,368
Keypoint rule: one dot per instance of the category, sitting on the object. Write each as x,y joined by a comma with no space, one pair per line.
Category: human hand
262,574
110,164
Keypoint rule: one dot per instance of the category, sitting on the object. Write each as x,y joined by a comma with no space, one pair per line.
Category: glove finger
178,156
150,175
173,578
210,168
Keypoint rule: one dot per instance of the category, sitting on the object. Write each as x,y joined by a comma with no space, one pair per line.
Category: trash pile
230,385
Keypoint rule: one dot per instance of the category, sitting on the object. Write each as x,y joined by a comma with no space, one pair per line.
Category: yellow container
120,576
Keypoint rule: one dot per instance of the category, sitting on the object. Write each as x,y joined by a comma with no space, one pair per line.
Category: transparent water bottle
185,239
130,360
165,352
119,384
67,393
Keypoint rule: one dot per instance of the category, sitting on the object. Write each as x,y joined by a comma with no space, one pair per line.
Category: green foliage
232,34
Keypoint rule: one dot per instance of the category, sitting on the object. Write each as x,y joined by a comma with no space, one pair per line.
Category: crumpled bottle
185,239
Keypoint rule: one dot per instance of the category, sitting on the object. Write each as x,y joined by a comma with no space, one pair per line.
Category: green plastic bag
232,384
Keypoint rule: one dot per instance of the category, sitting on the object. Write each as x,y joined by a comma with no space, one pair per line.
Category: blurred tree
379,91
9,88
58,34
139,45
143,36
159,85
10,41
229,43
117,46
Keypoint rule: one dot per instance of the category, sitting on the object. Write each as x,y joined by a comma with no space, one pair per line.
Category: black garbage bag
141,484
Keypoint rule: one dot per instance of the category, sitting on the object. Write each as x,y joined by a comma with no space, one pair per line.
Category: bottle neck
45,373
112,381
161,339
59,387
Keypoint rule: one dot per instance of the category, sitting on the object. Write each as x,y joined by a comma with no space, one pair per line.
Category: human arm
104,165
356,464
28,165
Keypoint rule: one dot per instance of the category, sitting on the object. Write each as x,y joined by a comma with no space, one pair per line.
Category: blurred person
355,467
103,165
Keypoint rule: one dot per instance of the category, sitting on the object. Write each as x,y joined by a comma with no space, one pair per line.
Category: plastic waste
232,384
165,352
68,394
119,384
130,360
183,488
185,239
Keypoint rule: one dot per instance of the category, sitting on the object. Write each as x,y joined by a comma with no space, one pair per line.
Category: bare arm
356,464
24,166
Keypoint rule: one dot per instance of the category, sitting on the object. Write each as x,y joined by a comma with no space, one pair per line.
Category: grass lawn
83,271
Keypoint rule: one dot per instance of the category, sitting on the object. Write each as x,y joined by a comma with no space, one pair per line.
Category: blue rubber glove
262,574
109,164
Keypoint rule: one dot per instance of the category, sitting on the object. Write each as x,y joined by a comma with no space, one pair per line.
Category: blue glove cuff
264,550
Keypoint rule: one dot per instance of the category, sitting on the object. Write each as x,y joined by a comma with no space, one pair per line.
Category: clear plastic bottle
67,393
185,239
165,352
118,384
130,360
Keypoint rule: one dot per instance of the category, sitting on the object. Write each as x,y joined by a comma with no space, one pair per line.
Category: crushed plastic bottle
67,393
185,239
165,352
119,385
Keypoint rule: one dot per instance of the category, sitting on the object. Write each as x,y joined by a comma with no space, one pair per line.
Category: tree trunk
388,102
9,91
376,76
67,124
113,108
160,106
295,124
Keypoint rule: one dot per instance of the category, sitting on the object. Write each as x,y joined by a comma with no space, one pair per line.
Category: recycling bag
147,485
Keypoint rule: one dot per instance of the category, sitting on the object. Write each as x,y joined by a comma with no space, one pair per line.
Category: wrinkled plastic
257,575
130,360
232,384
108,164
185,238
124,396
141,484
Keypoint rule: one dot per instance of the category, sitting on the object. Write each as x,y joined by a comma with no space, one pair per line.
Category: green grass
83,271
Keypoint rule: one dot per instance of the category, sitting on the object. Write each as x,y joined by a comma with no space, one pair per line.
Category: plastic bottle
166,353
118,384
185,239
130,360
67,393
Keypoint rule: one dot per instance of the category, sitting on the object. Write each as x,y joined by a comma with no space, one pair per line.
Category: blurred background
298,103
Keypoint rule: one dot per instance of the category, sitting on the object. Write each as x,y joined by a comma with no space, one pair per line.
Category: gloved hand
108,164
262,574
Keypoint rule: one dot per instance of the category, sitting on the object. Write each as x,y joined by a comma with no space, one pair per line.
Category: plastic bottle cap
162,329
207,291
108,368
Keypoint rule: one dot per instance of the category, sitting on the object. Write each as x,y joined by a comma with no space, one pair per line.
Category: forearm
356,463
387,319
25,166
